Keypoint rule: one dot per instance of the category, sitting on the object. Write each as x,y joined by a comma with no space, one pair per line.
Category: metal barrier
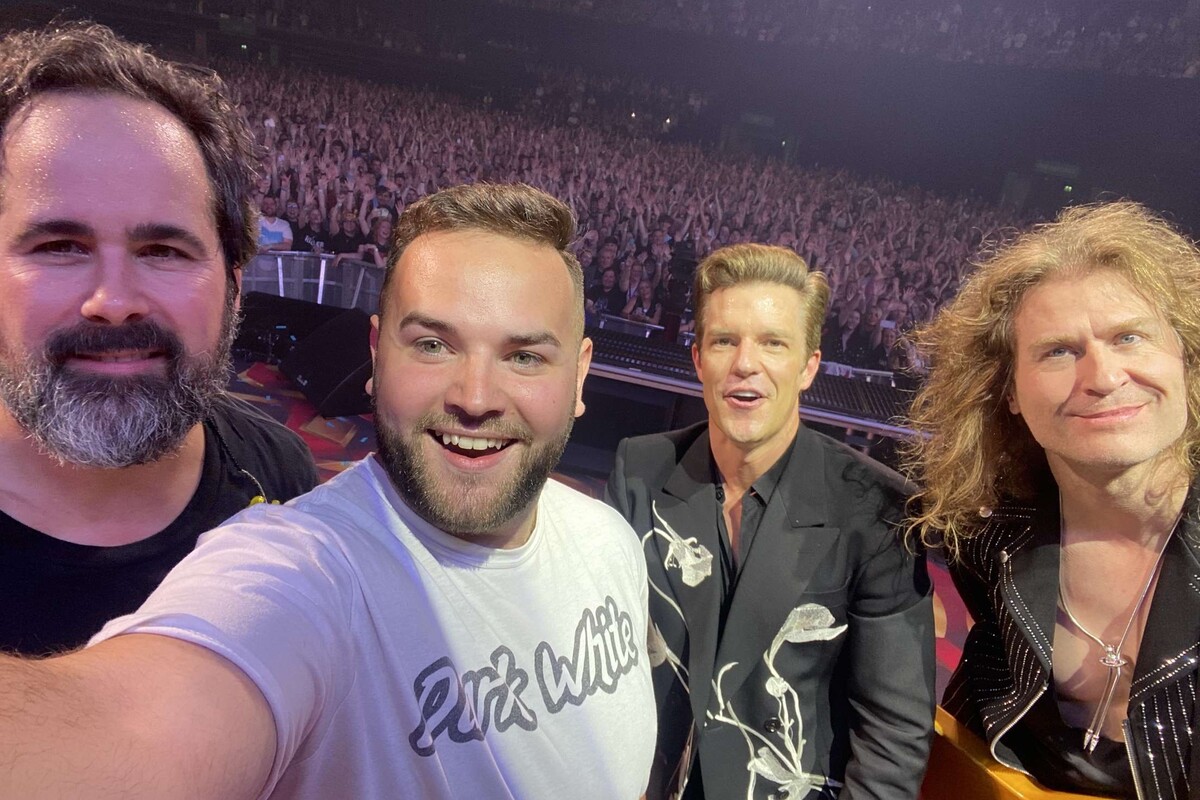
642,330
308,276
356,284
859,373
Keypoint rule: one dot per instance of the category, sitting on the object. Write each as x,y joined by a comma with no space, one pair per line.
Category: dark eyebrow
148,231
52,227
158,231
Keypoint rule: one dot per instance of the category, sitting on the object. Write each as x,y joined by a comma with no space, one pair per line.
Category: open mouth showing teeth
472,446
744,395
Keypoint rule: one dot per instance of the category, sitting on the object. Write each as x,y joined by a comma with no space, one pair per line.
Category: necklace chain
1113,659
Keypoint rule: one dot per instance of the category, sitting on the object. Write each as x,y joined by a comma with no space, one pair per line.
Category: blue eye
524,358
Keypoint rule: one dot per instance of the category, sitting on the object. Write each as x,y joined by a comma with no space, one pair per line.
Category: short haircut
970,451
513,210
760,263
89,58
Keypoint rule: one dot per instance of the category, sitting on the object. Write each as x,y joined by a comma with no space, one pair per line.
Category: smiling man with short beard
483,403
475,509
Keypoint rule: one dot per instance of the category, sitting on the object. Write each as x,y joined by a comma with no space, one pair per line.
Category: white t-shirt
400,662
273,232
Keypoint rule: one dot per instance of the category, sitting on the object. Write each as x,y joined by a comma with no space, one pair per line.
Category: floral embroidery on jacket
693,559
776,756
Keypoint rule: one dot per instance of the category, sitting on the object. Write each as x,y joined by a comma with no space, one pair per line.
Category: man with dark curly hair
124,224
1058,464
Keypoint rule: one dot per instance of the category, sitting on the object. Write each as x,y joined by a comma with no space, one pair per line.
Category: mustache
96,339
489,428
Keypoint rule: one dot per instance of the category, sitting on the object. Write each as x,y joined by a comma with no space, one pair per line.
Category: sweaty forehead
114,134
62,120
104,161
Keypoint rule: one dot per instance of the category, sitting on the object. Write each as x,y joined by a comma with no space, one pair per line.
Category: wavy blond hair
970,451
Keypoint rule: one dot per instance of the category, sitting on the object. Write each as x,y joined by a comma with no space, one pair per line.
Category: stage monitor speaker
272,326
331,365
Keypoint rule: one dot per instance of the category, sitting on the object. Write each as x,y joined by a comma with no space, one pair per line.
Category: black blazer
823,680
1007,575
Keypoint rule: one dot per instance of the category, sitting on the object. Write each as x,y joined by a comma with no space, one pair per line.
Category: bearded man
124,222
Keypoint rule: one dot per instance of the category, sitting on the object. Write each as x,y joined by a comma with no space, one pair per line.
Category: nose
475,391
1101,371
115,295
746,358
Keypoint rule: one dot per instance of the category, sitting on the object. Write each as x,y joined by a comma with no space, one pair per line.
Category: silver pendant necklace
1112,659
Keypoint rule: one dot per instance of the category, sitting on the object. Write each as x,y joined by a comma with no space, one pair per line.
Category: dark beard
454,510
113,422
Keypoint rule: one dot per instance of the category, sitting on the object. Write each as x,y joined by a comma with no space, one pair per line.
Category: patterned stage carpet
339,442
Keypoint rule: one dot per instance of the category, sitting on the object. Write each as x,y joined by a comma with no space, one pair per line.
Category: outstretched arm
138,716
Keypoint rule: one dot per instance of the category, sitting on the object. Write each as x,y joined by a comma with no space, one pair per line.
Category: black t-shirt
611,301
341,242
57,594
384,249
308,238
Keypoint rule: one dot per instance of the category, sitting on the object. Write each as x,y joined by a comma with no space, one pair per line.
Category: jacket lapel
687,508
1028,570
1173,624
790,546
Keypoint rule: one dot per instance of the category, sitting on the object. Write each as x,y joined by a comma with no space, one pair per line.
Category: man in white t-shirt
274,233
439,621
